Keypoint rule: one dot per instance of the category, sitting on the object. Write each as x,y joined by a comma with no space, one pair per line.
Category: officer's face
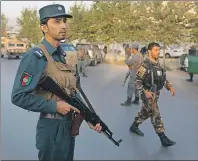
56,28
154,52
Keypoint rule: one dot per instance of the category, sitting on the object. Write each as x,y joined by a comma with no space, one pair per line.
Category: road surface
104,89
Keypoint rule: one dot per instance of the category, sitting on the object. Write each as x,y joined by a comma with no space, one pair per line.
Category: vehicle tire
101,60
167,55
94,63
9,57
2,56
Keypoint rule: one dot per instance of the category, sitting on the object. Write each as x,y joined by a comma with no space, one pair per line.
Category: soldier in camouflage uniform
133,62
151,73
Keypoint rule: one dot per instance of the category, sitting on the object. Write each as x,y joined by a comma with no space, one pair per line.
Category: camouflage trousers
154,113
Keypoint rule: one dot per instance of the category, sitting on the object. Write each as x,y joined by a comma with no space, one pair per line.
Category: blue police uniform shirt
33,65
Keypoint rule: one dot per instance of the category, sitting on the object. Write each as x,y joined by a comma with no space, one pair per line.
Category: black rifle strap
82,92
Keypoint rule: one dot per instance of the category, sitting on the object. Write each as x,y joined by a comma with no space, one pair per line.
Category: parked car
172,52
93,52
71,53
12,47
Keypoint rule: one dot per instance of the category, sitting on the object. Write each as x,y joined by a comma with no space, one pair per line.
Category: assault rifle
153,103
47,83
126,77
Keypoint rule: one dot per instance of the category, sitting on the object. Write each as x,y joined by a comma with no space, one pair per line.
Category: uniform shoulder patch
26,79
38,52
141,71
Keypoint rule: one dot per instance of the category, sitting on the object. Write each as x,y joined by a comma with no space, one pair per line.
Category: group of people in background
133,59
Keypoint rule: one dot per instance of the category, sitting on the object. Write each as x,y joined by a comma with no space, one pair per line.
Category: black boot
134,128
190,80
165,140
136,100
84,75
127,102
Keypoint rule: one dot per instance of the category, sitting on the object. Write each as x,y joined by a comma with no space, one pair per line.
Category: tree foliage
118,21
167,22
28,23
4,25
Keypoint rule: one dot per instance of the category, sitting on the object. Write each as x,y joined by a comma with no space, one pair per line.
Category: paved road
103,87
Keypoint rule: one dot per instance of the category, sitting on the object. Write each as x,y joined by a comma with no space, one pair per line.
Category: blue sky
12,9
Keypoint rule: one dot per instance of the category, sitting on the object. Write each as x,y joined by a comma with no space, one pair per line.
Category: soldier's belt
67,117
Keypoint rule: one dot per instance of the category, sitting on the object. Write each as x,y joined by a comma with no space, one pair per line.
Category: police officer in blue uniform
54,139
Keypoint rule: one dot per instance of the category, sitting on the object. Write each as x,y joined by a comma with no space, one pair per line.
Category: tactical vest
159,76
156,75
61,73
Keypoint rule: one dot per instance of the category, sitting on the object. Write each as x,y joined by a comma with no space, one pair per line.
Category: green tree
4,23
119,21
28,23
77,28
192,23
168,22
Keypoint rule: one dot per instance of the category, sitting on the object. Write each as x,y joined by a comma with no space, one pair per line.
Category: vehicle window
193,52
78,46
20,45
67,47
96,47
84,46
11,45
71,48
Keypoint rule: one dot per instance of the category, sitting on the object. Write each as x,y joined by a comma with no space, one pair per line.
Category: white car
172,53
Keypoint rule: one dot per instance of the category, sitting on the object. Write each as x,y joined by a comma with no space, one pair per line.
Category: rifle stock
153,89
126,77
48,84
153,103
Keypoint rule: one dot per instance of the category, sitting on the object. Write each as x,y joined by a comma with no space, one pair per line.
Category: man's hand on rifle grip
97,128
149,95
63,107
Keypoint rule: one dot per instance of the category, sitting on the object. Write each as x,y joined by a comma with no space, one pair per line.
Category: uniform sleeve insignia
26,78
141,71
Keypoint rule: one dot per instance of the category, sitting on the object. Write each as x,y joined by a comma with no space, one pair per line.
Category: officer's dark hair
44,22
153,44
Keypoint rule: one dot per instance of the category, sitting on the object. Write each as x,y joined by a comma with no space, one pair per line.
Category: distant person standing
133,62
143,51
81,61
127,51
105,50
